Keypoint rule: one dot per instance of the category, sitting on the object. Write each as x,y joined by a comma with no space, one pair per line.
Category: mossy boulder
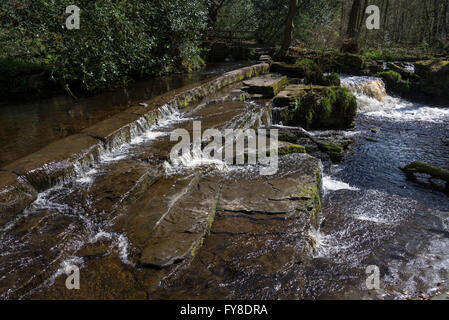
395,82
291,93
349,63
373,67
434,76
405,74
323,108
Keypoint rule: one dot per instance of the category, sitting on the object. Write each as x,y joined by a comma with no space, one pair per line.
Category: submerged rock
425,168
261,231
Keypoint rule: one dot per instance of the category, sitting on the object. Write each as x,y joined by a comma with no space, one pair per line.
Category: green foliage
307,64
270,19
117,38
12,68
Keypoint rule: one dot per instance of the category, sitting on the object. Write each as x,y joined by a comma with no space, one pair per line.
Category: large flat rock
267,85
259,239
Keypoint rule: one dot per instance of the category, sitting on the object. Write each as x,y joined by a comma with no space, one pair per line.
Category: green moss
433,65
210,221
348,63
291,148
335,151
304,68
394,81
307,65
434,77
422,167
327,108
313,194
391,75
252,55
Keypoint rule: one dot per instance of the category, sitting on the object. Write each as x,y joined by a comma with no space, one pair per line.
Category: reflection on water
26,127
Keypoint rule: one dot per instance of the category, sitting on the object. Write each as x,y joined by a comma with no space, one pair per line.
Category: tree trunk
288,31
436,20
351,42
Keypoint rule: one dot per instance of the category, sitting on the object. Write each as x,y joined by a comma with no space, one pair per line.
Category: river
372,216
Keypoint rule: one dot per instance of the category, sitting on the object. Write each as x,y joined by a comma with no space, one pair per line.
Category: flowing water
372,215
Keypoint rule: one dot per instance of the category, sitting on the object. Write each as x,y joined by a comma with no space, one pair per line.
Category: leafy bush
118,39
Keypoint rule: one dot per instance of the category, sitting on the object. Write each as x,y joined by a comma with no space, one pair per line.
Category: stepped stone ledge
22,180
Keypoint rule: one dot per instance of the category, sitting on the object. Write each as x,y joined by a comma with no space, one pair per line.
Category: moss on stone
348,63
304,68
289,148
332,79
395,82
313,193
422,167
328,108
434,76
335,151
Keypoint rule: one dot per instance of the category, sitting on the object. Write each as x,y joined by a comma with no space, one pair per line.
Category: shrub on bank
117,39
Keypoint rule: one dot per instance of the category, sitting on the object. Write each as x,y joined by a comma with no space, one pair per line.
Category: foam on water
369,89
330,184
191,160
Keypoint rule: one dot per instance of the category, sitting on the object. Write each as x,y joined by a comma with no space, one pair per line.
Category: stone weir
137,223
61,161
